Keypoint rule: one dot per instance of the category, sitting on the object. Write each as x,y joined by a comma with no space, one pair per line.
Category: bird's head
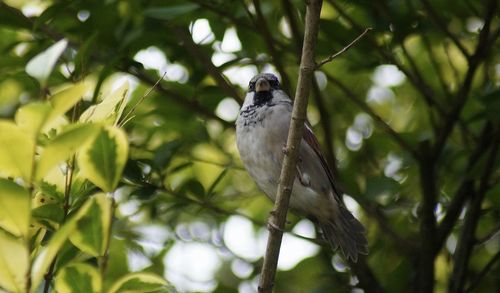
261,88
263,82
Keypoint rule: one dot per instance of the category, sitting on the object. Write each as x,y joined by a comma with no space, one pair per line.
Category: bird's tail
346,232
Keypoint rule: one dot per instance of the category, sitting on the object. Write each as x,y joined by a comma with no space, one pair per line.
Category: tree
91,166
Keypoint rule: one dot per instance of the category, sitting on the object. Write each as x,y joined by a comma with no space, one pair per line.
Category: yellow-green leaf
31,117
141,283
16,151
110,109
48,252
14,262
92,230
78,278
14,208
102,161
42,64
65,145
63,101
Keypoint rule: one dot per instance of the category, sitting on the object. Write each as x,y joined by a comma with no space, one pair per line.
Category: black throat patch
260,98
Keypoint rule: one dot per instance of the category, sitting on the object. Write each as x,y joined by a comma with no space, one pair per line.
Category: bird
261,134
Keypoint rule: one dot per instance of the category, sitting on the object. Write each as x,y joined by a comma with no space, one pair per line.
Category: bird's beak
262,85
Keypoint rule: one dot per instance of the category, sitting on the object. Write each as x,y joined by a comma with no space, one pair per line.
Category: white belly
261,151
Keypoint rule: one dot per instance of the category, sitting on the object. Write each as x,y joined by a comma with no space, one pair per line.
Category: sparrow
261,134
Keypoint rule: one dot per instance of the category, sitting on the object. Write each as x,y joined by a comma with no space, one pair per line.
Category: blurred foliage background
408,119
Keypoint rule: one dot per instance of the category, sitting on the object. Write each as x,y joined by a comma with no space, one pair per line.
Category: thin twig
424,89
103,259
262,26
446,49
481,52
132,110
278,215
333,56
493,234
466,241
195,51
440,23
190,104
465,190
483,272
386,127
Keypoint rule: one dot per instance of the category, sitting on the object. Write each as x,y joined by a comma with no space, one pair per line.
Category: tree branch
261,24
292,21
416,80
139,73
333,56
278,215
483,272
467,238
439,22
195,51
177,98
367,279
480,54
464,190
386,127
425,272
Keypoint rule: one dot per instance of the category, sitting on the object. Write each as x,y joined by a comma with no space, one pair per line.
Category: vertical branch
425,272
440,23
68,181
261,25
278,215
467,237
465,189
480,54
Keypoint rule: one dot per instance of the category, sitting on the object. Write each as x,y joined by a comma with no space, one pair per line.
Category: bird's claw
284,149
271,226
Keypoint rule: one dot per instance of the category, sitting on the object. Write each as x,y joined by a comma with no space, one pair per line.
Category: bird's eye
274,83
251,86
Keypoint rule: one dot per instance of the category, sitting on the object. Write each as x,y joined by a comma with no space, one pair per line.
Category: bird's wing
312,142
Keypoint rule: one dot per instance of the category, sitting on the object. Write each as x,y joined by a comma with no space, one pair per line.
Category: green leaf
14,263
64,146
41,66
63,101
117,260
78,278
380,186
217,181
164,153
110,109
491,102
14,208
170,12
92,231
51,212
102,161
83,55
141,283
193,187
16,151
47,253
32,117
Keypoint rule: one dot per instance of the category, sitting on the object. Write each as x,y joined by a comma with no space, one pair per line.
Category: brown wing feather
312,141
